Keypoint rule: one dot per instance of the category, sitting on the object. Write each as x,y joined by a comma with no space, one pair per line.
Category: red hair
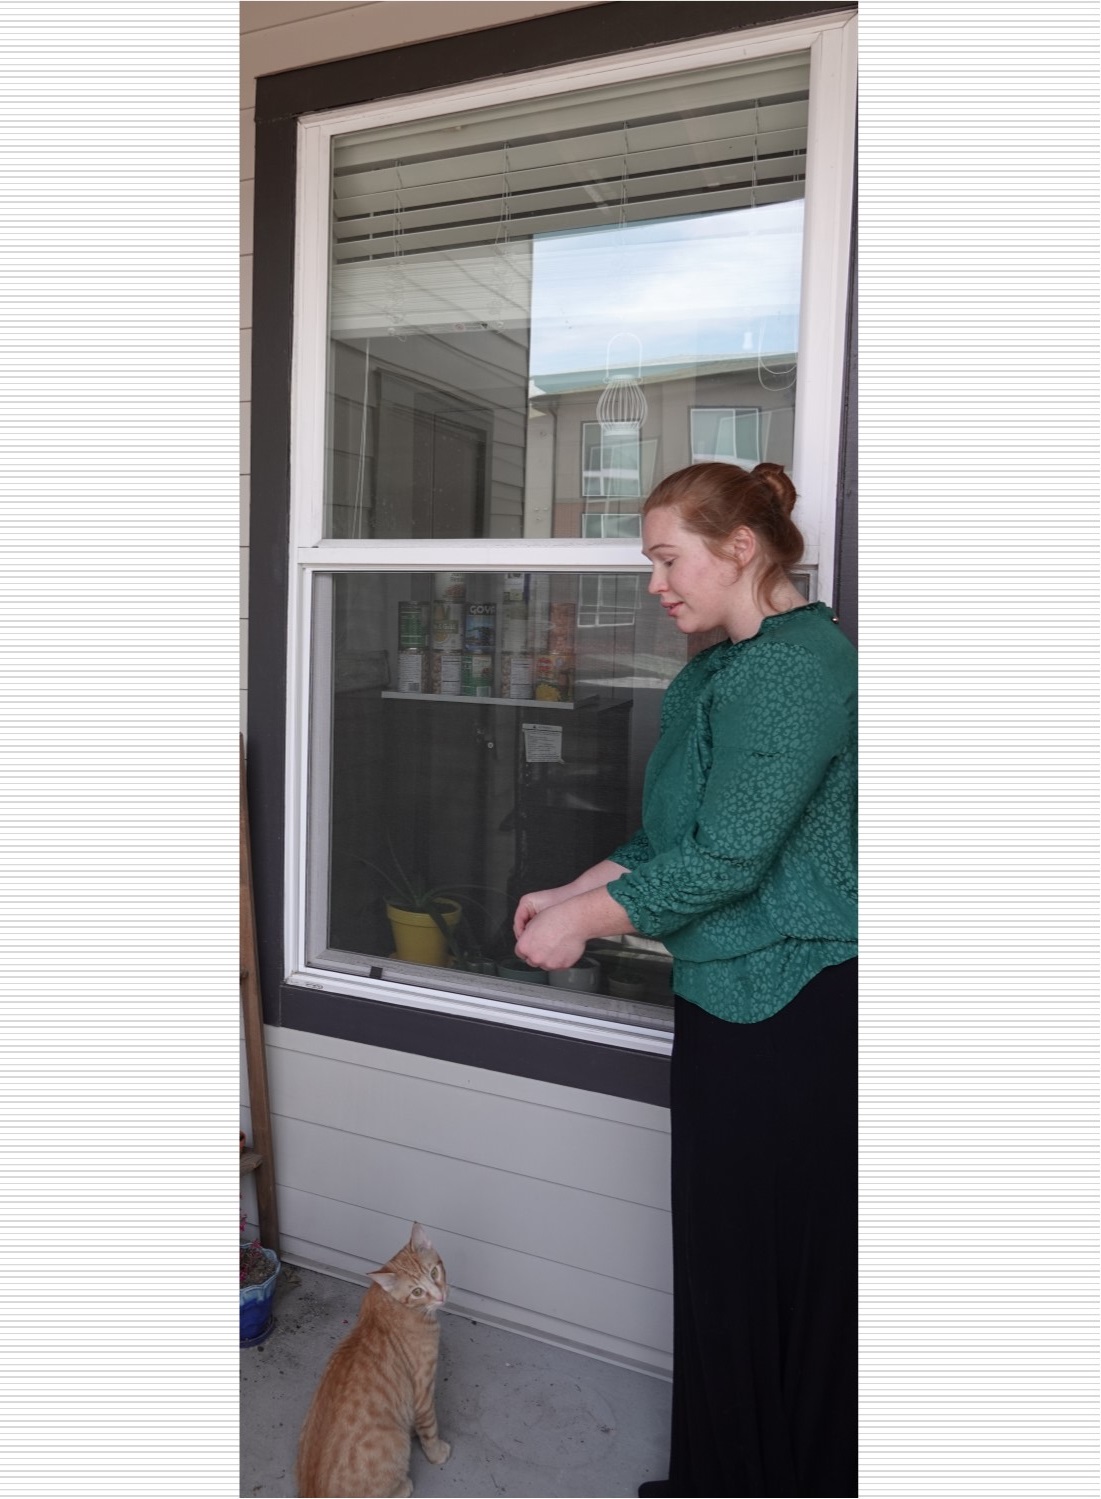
714,499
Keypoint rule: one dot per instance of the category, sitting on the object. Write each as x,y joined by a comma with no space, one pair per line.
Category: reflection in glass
490,268
726,435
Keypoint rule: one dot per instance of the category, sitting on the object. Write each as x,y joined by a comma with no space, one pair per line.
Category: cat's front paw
437,1452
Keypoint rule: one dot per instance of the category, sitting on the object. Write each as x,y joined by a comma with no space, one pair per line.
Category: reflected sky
723,285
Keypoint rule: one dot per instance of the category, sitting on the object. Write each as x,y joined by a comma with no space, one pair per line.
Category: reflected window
612,468
726,435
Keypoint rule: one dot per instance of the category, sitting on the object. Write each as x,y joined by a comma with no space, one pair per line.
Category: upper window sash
831,43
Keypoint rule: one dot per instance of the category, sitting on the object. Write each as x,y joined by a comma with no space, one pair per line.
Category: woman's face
693,586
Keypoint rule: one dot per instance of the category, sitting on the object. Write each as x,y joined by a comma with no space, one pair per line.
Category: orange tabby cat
379,1385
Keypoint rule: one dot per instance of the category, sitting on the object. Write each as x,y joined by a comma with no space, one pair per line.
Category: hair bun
780,486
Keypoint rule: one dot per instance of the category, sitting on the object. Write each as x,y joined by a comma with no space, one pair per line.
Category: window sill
597,1019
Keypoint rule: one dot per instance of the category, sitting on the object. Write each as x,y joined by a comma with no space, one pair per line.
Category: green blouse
745,866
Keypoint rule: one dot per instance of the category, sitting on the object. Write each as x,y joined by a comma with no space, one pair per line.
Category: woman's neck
752,610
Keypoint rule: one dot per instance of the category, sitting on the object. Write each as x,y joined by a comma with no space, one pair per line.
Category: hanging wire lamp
621,409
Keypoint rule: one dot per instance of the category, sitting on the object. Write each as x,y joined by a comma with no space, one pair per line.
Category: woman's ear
742,546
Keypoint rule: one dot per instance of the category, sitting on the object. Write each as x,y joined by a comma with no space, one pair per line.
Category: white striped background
978,540
119,1057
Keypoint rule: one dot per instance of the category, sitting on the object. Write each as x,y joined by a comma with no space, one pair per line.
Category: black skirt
764,1176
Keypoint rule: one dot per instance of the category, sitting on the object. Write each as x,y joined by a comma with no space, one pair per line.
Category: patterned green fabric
745,866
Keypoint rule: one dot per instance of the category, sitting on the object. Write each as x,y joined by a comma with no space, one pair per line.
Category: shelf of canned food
516,648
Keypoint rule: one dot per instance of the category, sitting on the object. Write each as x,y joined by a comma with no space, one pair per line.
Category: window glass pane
726,435
479,736
526,302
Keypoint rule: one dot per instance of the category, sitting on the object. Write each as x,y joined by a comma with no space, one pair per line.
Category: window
518,305
478,735
615,467
727,434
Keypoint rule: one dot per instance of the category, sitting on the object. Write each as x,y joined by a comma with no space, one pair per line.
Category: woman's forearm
600,874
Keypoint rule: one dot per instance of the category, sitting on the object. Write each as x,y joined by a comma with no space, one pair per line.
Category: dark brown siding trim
545,42
480,1043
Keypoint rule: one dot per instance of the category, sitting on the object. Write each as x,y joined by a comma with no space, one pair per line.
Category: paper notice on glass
543,743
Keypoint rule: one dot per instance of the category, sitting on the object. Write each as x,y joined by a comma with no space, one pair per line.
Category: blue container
256,1302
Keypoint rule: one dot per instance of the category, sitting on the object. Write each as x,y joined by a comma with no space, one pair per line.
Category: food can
412,625
447,673
515,589
554,677
477,679
480,628
447,625
560,632
516,668
412,671
451,586
514,627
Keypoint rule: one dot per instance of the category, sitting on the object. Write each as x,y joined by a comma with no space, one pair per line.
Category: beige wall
276,37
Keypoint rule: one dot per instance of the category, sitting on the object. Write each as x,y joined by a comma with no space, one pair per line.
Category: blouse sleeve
637,850
775,729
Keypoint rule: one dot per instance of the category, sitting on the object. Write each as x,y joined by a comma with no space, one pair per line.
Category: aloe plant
411,893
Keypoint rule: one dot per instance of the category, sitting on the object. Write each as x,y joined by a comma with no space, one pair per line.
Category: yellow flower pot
417,938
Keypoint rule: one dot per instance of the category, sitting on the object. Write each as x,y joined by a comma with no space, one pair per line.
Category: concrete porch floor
522,1417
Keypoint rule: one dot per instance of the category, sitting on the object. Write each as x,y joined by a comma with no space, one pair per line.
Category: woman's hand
552,938
555,937
529,906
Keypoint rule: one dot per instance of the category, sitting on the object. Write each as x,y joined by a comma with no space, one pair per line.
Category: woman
745,868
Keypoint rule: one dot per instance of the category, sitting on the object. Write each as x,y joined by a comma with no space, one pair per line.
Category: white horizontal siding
559,1303
548,1204
326,34
482,1127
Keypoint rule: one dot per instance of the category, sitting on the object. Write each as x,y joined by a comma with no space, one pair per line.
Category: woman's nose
655,584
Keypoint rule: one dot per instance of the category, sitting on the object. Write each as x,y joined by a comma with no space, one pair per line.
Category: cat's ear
419,1239
384,1278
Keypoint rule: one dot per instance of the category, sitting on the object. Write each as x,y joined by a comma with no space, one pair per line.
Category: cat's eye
417,1291
435,1272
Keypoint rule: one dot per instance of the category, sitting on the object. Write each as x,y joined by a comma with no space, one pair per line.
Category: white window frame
830,41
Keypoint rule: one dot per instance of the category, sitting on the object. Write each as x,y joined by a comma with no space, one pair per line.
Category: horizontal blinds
488,286
439,215
431,139
608,179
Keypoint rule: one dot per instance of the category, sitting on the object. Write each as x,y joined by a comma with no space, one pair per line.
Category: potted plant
584,975
424,919
259,1271
625,982
468,951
